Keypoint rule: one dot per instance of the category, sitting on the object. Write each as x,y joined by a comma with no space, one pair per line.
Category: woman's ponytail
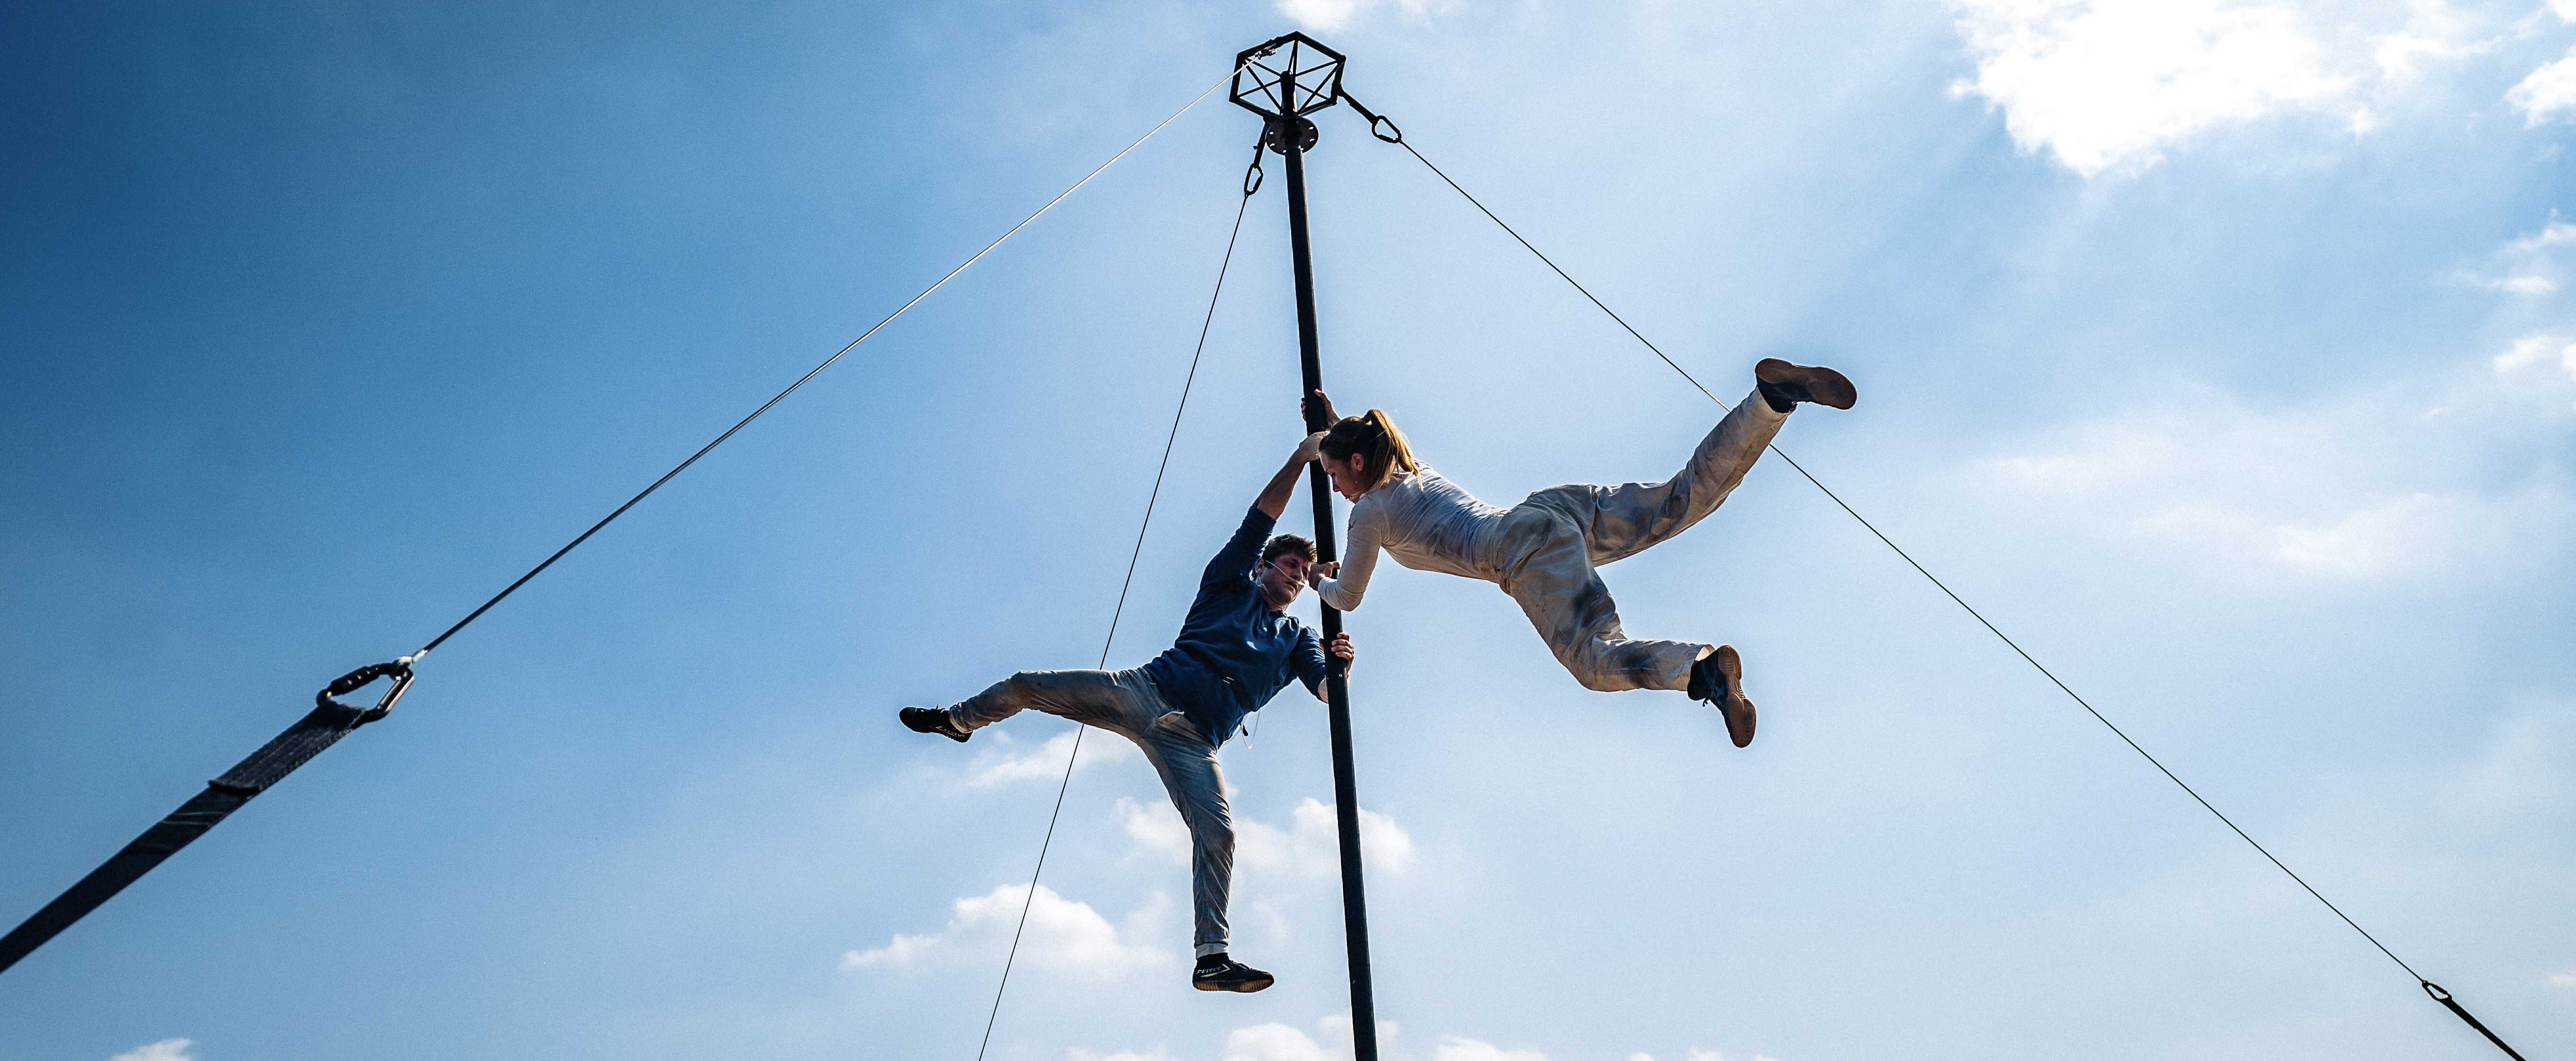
1375,439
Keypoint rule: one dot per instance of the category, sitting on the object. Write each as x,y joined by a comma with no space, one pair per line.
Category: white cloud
1461,1048
996,765
1156,829
1061,934
2528,265
2539,364
2109,85
1280,1042
1323,15
1320,14
2548,93
165,1050
1310,847
1273,1042
2537,350
1078,1054
1712,1055
2561,980
2555,233
2113,86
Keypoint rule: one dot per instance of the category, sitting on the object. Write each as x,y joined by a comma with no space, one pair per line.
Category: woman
1544,550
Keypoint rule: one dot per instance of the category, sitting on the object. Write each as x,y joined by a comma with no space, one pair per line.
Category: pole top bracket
1292,59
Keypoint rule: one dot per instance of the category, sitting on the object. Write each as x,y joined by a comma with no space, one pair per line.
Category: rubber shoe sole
1822,386
1737,707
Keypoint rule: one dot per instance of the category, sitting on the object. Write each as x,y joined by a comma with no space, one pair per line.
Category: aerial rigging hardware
1282,80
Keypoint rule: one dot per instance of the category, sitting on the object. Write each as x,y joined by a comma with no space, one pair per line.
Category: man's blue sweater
1235,651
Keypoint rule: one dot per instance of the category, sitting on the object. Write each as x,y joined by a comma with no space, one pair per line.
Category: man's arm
1274,497
1309,660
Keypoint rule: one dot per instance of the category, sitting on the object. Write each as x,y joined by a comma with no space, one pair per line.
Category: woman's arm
1274,497
1366,531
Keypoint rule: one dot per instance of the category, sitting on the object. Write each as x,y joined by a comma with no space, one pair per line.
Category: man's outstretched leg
1118,701
1128,704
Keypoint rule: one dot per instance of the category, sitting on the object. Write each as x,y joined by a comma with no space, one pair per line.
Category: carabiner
399,670
1391,134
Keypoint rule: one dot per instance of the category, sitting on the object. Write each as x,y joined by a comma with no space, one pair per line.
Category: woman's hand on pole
1316,400
1316,575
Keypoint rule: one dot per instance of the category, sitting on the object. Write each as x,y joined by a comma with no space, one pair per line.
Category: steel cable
1132,555
729,432
2430,988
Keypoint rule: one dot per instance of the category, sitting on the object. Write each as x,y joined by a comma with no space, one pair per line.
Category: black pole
1337,689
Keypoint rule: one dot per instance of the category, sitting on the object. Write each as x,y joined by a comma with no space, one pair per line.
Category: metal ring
1374,119
1253,176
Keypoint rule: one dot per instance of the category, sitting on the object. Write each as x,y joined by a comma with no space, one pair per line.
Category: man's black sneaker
1216,972
1785,385
931,720
1718,678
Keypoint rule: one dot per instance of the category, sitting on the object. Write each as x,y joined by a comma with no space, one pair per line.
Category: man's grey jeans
1553,541
1126,703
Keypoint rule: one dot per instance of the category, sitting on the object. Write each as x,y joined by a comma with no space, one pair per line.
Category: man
1236,649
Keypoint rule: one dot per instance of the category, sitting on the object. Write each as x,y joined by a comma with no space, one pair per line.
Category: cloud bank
1310,847
2116,86
1062,934
1323,15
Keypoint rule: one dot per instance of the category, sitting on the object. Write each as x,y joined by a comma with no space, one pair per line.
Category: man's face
1282,578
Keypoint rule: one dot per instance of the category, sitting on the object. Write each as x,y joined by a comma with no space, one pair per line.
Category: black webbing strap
332,720
2462,1012
329,721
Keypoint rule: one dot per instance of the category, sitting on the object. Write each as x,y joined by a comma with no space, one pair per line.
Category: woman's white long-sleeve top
1426,522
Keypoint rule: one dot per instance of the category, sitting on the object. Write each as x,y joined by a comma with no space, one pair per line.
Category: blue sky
2221,351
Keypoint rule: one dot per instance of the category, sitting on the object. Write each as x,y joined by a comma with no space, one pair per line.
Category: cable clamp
398,670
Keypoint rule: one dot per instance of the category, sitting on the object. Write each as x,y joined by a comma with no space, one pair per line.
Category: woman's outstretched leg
1557,588
1621,521
1552,578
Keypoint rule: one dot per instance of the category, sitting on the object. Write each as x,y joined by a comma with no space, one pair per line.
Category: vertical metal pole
1337,691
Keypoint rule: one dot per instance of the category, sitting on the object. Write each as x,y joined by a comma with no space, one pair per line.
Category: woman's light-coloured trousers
1127,704
1551,543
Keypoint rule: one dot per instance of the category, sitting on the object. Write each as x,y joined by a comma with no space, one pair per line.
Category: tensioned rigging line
330,719
2430,988
1251,184
818,370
